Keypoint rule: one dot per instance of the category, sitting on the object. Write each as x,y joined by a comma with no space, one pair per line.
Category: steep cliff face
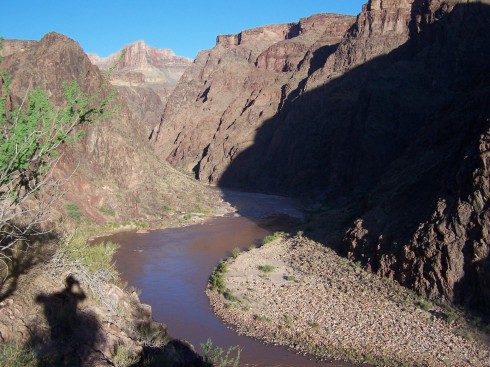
387,125
232,89
112,167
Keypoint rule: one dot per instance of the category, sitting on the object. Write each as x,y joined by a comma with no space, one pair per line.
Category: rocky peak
143,64
12,46
146,76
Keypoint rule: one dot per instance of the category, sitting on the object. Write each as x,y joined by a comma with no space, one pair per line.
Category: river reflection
171,268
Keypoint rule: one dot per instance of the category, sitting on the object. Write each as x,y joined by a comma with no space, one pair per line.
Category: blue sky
185,26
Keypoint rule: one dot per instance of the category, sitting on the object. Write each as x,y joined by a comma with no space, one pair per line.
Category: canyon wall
145,76
232,89
382,120
114,173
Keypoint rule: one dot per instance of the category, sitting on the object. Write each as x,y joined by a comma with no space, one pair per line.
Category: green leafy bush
216,280
31,133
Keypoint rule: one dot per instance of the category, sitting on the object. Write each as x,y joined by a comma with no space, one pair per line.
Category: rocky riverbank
296,293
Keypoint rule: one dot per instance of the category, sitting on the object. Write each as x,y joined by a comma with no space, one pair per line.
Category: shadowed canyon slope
113,166
383,119
232,89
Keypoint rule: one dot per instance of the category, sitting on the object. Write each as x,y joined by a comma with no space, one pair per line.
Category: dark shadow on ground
386,142
20,258
73,335
176,353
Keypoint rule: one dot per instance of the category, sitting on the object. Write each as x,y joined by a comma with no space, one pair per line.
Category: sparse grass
266,268
252,247
290,278
229,296
272,237
14,354
424,305
262,318
74,212
235,252
95,257
107,211
124,357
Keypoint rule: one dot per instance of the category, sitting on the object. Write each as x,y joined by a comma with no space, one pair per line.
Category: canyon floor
297,293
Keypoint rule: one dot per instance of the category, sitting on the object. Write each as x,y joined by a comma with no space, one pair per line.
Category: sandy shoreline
316,302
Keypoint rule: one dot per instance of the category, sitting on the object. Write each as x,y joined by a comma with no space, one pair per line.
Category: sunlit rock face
112,166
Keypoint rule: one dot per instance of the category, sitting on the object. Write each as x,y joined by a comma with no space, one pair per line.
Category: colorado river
171,268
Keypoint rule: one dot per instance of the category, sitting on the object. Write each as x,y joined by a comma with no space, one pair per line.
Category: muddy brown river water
171,268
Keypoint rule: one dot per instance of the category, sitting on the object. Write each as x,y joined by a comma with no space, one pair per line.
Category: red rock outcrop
113,166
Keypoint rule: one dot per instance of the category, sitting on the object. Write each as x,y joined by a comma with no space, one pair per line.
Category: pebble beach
296,293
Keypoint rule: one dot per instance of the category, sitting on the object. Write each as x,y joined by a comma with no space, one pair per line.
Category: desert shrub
215,356
289,278
266,268
124,357
74,212
424,305
229,296
235,252
216,280
272,237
